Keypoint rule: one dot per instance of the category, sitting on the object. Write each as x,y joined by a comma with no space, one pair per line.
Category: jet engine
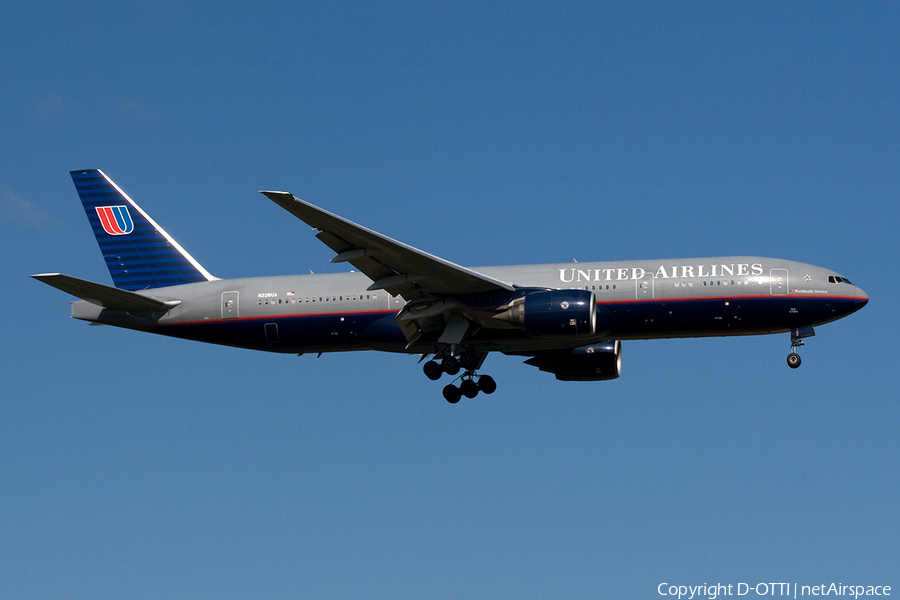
571,313
594,362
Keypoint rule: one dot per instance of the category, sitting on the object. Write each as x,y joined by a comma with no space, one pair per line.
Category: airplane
567,319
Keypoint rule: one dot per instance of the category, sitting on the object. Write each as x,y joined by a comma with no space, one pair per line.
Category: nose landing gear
797,335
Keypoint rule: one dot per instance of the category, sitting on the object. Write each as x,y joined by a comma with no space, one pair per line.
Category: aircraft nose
862,299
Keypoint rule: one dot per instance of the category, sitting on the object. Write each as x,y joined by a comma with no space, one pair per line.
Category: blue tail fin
138,253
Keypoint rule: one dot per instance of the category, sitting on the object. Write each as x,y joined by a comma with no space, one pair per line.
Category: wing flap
104,295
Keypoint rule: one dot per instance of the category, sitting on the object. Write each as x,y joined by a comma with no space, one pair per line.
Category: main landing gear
470,383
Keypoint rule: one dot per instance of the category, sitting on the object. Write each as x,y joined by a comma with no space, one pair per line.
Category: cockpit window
838,279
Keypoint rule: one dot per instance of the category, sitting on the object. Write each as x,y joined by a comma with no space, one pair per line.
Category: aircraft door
230,305
778,283
644,288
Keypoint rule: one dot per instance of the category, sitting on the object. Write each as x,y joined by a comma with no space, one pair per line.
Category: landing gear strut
471,383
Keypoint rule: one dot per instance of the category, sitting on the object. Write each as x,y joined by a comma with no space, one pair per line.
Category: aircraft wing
391,265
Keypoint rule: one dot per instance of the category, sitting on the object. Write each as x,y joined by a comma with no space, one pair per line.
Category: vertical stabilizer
138,252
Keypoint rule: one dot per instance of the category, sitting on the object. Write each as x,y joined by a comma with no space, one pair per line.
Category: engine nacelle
571,313
594,362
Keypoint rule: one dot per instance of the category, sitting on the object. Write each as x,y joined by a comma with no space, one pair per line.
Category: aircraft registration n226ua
568,319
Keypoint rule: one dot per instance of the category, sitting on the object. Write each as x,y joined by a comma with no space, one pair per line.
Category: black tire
793,360
487,384
468,388
468,360
433,370
450,365
452,394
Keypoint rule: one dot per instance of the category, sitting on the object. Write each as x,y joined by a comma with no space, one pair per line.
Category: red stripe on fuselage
725,298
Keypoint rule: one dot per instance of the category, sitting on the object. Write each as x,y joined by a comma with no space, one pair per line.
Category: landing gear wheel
487,384
468,360
468,388
433,370
452,394
450,365
793,360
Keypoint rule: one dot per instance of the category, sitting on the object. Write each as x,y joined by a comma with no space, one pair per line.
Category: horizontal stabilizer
104,295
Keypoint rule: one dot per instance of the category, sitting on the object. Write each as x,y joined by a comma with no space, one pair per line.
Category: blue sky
135,467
